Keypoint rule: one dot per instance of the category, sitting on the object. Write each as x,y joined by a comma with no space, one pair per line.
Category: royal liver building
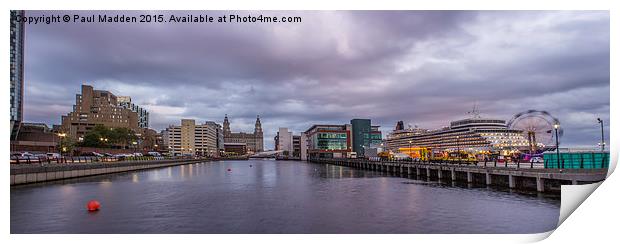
254,141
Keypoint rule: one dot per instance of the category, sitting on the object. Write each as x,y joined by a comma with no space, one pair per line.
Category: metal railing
494,163
89,159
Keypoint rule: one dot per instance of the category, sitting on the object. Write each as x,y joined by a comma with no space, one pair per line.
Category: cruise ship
470,135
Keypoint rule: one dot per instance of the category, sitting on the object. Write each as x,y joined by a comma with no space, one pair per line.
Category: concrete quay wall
35,173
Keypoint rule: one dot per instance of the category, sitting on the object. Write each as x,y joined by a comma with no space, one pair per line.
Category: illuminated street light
557,142
600,121
60,143
363,150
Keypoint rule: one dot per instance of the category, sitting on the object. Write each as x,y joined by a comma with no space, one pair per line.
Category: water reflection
268,174
275,197
67,190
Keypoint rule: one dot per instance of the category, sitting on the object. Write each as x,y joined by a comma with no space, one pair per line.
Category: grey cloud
424,67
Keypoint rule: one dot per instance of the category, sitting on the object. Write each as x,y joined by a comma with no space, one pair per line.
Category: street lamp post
600,121
363,150
61,142
557,143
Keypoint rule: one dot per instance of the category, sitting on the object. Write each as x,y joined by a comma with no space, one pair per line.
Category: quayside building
340,140
253,141
97,107
195,139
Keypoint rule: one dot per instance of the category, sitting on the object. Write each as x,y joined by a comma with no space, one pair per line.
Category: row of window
331,135
331,145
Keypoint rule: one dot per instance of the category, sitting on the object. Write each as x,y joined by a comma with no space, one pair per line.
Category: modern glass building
364,135
17,72
376,138
361,135
328,141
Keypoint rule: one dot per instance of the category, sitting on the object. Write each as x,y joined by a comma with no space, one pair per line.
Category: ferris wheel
538,128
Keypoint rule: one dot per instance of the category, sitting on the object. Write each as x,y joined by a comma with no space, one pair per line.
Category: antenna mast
475,112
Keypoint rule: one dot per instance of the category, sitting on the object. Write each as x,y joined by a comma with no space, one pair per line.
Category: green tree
122,136
92,139
66,146
101,136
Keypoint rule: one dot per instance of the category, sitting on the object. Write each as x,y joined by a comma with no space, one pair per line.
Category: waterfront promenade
41,172
527,178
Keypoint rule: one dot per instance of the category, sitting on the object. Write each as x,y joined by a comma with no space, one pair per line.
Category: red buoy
93,205
229,170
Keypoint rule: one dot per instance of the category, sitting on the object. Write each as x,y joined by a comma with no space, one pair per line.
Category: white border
595,221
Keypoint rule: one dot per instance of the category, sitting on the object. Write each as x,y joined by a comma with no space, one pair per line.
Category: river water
267,196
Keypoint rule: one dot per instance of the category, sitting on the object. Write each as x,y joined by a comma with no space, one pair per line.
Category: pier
539,179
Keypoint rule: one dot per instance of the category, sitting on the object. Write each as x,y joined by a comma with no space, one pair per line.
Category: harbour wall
35,173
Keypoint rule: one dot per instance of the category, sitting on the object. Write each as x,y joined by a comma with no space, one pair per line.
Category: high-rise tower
17,72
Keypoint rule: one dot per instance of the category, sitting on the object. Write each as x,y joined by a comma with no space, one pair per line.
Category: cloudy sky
424,67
